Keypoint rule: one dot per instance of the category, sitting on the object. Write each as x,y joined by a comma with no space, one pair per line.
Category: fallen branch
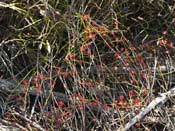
157,101
11,87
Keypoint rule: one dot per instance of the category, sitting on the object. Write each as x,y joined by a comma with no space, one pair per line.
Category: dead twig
157,101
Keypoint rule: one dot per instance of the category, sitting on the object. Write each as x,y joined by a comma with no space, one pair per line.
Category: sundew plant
87,65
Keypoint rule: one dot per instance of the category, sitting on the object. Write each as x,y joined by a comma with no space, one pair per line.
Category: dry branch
11,87
157,101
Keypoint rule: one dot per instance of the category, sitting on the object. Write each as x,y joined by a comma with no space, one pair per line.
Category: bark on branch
11,87
157,101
